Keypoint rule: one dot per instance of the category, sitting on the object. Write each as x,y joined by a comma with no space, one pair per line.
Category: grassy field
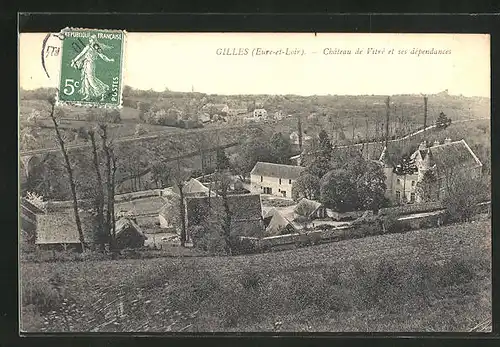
427,280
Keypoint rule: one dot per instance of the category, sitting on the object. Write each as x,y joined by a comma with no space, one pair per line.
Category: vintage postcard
254,182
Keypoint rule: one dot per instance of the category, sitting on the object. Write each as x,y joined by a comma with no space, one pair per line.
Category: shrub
41,295
209,240
243,246
393,225
250,279
455,271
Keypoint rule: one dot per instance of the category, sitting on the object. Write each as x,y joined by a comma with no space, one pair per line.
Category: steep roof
307,207
277,170
278,224
193,186
268,212
454,154
125,224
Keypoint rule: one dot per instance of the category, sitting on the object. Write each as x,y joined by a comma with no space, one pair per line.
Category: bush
211,241
393,225
250,279
243,246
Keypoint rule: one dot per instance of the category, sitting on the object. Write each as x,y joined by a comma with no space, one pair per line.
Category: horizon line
445,92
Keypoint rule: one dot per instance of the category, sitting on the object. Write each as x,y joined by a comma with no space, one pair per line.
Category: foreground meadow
426,280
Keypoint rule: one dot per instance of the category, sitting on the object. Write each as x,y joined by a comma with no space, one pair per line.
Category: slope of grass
433,280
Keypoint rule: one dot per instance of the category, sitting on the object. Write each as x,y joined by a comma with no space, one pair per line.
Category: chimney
447,141
436,143
422,146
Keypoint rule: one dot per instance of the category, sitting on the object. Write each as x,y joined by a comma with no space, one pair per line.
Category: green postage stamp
91,67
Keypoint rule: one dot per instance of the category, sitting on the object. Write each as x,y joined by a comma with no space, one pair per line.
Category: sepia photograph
254,182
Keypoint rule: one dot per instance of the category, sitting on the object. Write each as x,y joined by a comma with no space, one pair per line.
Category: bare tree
179,177
222,182
99,188
110,165
69,170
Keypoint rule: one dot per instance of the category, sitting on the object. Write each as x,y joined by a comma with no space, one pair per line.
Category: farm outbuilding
57,229
310,209
279,225
28,214
129,234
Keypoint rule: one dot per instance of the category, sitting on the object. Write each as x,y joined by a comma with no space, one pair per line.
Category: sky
189,61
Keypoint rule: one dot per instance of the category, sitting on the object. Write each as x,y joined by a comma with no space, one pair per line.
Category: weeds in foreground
189,296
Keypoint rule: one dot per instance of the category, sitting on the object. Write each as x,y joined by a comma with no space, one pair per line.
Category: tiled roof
124,223
277,170
193,186
454,154
278,225
306,207
60,227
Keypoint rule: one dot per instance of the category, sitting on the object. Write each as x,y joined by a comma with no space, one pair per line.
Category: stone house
444,160
274,179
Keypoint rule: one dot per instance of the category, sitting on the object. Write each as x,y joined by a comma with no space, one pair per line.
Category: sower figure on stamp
91,86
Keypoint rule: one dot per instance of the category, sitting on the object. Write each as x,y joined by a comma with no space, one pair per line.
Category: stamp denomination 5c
91,67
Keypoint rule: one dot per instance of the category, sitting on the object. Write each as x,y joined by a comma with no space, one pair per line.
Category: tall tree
426,187
69,170
222,182
299,132
442,122
305,186
99,200
280,148
387,114
179,177
337,191
222,161
425,112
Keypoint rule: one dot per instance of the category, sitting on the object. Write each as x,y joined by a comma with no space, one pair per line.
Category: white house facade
274,179
444,160
259,112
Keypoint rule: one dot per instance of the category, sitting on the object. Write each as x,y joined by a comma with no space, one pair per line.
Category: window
413,183
284,193
261,178
280,181
412,197
289,181
268,190
398,195
398,181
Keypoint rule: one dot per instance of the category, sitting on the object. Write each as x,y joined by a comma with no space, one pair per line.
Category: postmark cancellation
91,71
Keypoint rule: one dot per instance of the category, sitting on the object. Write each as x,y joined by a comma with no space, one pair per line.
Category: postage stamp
91,67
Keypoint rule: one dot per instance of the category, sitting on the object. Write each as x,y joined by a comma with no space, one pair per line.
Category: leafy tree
338,192
315,161
353,184
462,195
222,160
325,144
306,186
442,122
370,186
426,187
280,148
251,151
